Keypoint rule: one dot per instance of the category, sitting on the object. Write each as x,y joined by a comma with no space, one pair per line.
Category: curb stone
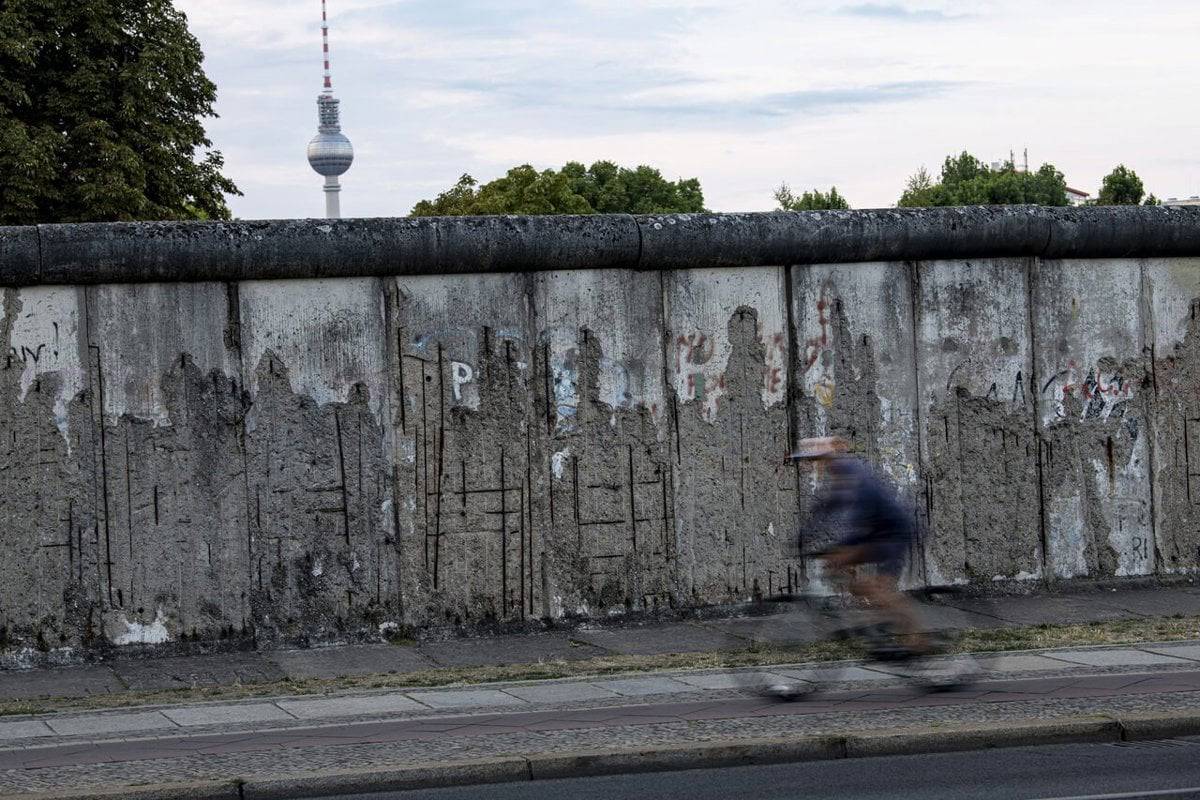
743,752
667,759
202,790
982,737
1159,726
359,781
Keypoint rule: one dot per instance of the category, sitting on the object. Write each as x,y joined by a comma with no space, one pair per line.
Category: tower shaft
333,194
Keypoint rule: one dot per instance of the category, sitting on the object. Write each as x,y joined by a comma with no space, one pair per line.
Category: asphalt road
1167,770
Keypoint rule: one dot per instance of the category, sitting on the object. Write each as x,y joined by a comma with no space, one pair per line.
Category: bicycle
936,670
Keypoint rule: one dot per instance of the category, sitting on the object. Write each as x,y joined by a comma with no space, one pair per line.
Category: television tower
329,152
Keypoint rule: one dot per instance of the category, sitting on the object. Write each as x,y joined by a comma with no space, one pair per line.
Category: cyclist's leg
840,566
882,591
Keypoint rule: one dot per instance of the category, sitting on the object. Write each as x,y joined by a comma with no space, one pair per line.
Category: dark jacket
872,509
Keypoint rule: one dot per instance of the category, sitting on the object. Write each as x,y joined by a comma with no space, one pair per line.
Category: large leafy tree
101,114
602,188
1121,187
965,180
814,200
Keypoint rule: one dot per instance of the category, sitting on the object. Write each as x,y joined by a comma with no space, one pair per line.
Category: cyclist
881,530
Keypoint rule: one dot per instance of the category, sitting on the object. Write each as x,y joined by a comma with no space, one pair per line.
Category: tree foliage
814,200
602,188
1121,187
101,109
965,180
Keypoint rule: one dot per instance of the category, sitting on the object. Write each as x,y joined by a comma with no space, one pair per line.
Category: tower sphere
330,153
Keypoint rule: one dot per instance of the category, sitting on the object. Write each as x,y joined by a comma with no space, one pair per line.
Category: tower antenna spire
329,152
325,46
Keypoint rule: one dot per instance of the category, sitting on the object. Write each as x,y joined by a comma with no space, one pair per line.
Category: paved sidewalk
297,735
736,633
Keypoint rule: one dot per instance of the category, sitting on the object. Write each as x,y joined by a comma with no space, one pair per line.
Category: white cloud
857,94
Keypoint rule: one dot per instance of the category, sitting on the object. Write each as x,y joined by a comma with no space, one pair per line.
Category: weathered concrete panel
610,543
142,334
324,555
974,365
168,382
854,347
1171,289
470,459
735,492
53,577
1093,405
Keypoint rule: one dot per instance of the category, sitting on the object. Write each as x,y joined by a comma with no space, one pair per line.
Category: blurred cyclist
880,532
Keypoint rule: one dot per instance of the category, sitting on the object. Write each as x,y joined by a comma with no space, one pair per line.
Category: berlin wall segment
854,340
309,460
979,451
318,488
735,495
1171,305
1094,405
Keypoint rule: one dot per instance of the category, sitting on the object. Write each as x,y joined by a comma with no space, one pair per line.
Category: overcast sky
741,94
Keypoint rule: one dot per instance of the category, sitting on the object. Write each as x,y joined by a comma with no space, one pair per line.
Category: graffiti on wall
818,354
1097,393
697,378
700,370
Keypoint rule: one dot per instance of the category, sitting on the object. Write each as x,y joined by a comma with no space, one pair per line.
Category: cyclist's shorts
886,554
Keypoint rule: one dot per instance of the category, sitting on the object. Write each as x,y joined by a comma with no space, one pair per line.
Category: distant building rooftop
1076,197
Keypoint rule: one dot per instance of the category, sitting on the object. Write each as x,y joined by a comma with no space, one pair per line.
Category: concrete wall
323,457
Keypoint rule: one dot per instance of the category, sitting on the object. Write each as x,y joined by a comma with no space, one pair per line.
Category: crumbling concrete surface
979,449
325,459
735,492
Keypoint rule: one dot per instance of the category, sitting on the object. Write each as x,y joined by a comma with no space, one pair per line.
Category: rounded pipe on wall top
128,252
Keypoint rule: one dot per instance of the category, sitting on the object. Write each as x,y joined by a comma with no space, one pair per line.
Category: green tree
101,109
602,188
1121,187
965,180
814,200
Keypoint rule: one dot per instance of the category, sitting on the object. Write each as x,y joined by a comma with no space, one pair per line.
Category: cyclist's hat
819,447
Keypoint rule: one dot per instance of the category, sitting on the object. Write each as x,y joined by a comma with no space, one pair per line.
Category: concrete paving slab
339,662
636,687
25,729
1114,658
847,674
466,698
185,672
225,714
81,681
110,723
561,692
660,639
516,649
936,616
1189,651
1042,609
1019,662
362,705
731,680
1153,602
774,629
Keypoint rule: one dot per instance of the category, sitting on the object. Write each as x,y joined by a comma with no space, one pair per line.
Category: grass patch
1157,629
